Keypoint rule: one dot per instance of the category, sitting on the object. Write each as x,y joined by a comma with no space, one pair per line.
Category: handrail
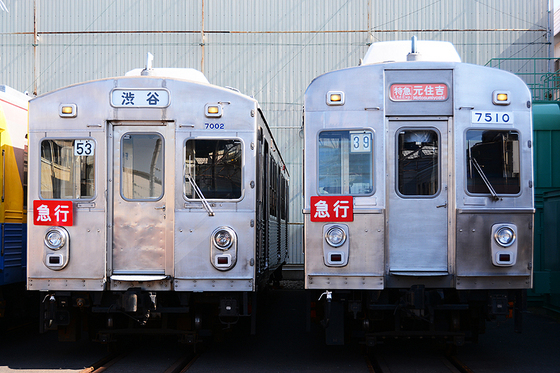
536,72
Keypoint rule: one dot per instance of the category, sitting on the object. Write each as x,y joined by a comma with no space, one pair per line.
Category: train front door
142,199
417,197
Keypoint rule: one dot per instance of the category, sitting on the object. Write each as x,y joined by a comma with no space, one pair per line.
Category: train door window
345,162
67,169
215,166
418,162
493,162
142,166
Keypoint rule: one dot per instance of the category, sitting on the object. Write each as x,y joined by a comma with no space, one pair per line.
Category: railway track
414,359
142,360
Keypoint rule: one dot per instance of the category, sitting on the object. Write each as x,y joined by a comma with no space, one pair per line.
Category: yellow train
13,196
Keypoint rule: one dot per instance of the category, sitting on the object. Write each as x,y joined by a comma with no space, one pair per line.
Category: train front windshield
67,170
215,166
493,162
345,162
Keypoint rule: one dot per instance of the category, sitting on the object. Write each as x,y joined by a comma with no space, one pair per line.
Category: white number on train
84,147
361,142
492,117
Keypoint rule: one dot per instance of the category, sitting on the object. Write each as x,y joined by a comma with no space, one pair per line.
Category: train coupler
55,312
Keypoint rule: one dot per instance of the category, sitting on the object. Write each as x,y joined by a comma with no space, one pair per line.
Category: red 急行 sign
58,213
419,92
332,208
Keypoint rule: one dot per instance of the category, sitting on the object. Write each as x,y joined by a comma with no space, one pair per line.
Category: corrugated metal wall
268,49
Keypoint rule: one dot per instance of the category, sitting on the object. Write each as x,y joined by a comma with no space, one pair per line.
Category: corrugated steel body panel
286,121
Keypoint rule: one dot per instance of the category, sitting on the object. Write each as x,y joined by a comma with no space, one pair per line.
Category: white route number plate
84,147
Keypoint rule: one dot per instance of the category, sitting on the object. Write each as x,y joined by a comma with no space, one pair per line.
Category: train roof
414,50
13,96
192,75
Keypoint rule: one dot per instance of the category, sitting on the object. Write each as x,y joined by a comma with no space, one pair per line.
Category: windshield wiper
485,179
200,195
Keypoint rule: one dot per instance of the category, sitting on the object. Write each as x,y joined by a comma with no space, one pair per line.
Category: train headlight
223,248
223,238
504,236
55,238
335,236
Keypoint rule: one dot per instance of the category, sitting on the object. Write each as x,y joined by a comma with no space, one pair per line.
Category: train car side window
216,168
418,162
345,162
67,169
142,166
493,162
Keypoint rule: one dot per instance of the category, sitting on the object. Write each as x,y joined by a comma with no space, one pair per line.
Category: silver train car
418,195
156,201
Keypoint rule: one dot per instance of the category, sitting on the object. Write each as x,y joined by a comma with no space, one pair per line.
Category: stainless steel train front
154,232
406,249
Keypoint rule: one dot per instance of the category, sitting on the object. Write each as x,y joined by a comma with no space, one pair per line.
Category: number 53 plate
492,117
84,147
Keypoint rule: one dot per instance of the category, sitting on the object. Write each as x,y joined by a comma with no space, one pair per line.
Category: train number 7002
214,126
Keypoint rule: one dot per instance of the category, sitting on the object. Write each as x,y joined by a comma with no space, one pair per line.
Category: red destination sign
59,213
332,208
418,92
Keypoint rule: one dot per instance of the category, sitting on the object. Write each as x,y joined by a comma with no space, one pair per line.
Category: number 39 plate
492,117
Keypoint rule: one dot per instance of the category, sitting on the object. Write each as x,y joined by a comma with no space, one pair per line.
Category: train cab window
493,162
417,162
214,167
142,166
345,162
67,169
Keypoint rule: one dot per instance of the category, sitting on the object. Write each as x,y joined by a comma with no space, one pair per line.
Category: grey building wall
265,48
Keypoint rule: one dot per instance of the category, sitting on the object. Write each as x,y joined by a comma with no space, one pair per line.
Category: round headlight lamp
55,238
505,236
223,238
335,236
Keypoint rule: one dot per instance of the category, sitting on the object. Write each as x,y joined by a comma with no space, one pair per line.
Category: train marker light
335,98
68,110
335,257
504,245
57,246
500,98
213,110
223,261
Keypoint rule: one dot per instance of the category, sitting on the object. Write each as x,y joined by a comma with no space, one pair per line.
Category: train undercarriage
452,316
105,316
